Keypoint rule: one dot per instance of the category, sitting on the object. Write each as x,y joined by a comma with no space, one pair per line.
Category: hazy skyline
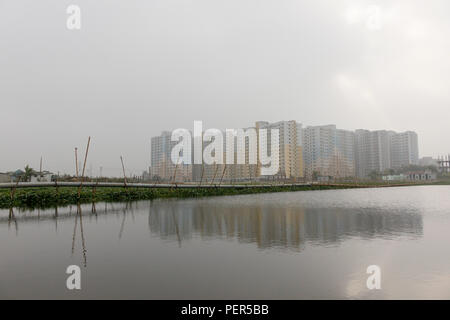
137,68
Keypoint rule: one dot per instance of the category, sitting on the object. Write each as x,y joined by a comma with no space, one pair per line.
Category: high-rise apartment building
373,151
404,149
290,153
345,154
162,165
377,151
328,151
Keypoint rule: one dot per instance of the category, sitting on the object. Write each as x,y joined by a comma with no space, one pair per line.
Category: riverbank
50,196
46,197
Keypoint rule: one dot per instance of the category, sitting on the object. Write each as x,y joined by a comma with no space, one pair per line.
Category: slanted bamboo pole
223,173
201,178
56,188
124,174
94,191
84,167
13,190
76,162
215,173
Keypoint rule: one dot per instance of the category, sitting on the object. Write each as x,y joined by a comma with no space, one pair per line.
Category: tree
27,174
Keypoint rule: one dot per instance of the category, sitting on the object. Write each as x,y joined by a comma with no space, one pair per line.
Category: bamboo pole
84,167
201,178
94,191
215,173
56,188
124,175
76,162
223,173
13,190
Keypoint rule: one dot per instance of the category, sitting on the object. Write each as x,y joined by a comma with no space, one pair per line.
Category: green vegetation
27,173
50,197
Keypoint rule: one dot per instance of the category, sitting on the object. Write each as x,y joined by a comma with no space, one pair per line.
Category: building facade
373,151
378,151
162,167
404,149
5,178
290,153
328,152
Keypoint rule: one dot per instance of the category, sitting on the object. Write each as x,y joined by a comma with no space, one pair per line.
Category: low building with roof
5,177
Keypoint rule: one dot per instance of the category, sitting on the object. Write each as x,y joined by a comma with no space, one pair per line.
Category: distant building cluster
21,176
305,153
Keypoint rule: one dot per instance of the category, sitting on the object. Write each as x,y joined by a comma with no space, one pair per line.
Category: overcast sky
139,67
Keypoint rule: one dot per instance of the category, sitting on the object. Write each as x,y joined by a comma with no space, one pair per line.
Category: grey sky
139,67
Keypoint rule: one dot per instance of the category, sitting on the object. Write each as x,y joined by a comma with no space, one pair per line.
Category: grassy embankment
50,196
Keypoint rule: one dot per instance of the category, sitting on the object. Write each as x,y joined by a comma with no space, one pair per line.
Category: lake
298,245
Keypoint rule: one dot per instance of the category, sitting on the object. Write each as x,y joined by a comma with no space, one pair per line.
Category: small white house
396,177
41,177
421,176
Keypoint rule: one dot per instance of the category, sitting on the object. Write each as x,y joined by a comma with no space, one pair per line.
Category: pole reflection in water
176,228
83,244
128,207
11,217
122,225
56,219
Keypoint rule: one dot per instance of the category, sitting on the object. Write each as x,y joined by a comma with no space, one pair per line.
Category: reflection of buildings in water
278,227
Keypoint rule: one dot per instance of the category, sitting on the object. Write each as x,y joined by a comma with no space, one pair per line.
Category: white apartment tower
161,162
373,151
381,150
345,154
404,149
328,151
290,147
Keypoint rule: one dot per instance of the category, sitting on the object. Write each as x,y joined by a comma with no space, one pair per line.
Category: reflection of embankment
278,227
63,213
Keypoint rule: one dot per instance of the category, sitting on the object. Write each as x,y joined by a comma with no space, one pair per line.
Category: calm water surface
300,245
